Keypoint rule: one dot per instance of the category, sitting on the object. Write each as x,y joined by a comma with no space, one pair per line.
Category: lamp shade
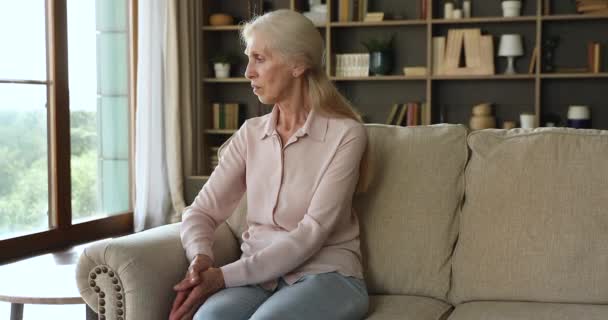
510,45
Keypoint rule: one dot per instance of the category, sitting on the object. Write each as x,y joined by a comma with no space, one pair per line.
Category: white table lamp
510,46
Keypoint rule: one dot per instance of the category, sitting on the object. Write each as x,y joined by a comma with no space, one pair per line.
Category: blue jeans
319,296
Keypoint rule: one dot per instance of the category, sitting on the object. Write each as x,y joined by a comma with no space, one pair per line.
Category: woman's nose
249,72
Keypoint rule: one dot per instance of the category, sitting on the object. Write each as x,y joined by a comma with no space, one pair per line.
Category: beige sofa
494,224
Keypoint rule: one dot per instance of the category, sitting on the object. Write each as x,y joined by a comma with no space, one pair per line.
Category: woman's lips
255,88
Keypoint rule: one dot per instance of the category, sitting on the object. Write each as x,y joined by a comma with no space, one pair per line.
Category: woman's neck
293,110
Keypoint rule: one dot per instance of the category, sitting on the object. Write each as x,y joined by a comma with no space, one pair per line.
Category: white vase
222,70
511,8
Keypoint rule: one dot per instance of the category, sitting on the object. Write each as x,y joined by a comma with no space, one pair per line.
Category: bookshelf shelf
222,28
485,20
387,23
380,78
491,77
226,80
570,17
574,75
220,131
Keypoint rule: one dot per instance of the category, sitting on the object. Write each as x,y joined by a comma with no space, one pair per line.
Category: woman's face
271,76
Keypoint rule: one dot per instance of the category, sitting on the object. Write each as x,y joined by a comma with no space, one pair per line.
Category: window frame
62,233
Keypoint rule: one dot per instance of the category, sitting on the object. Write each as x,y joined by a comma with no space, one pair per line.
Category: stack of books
352,65
594,54
406,114
592,6
227,115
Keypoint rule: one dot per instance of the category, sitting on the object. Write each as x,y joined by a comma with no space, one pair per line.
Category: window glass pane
23,160
22,35
99,113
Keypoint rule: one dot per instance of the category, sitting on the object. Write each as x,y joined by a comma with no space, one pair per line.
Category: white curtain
158,155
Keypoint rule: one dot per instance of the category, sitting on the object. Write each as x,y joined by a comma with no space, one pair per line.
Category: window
65,122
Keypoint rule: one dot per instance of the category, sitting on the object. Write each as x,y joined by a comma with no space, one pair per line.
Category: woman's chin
265,100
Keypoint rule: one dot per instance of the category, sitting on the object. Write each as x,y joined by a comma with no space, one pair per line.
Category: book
596,58
374,17
402,115
414,71
215,109
392,113
438,55
533,60
590,56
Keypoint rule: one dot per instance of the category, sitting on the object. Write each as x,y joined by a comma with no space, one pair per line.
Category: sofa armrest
132,277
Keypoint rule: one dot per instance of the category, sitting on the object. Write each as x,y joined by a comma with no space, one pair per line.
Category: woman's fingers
186,284
194,299
179,299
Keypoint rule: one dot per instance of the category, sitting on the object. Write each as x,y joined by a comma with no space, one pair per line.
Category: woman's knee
211,312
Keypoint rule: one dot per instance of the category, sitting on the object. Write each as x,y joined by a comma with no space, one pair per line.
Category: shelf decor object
478,53
527,120
579,117
511,8
380,55
510,46
482,117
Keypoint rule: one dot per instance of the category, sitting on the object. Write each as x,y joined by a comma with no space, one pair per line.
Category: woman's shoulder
255,125
347,126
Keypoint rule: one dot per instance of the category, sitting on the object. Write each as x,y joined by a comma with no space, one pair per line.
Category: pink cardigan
299,199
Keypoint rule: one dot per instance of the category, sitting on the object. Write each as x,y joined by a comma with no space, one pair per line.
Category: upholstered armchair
132,277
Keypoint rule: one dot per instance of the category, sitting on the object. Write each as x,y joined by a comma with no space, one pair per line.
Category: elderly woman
300,165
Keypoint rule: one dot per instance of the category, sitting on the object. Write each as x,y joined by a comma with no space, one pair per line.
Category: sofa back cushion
408,215
534,223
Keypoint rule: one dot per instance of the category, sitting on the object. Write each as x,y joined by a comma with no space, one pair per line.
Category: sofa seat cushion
528,311
408,214
533,226
389,307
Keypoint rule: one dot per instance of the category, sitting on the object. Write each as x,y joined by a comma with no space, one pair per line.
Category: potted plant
221,65
511,8
380,55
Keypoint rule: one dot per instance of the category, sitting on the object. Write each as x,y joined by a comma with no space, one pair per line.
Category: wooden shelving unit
449,98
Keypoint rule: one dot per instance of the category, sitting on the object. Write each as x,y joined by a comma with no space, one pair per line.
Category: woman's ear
298,71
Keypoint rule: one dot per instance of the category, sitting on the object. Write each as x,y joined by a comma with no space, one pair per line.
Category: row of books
357,10
407,114
592,6
352,65
227,115
351,10
594,54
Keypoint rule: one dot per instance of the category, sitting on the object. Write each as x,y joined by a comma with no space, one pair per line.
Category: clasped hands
200,282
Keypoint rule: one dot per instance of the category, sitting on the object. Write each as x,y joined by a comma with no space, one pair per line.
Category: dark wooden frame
62,232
